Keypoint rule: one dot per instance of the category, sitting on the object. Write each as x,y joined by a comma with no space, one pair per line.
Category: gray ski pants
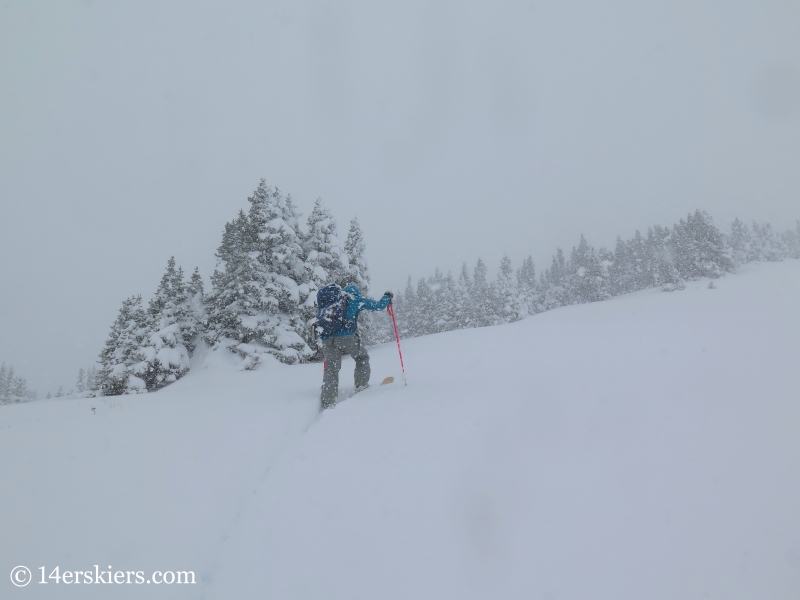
332,350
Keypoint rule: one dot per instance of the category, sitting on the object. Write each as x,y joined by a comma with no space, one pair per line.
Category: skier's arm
367,304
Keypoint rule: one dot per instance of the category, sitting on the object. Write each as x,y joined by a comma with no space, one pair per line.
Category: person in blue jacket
346,340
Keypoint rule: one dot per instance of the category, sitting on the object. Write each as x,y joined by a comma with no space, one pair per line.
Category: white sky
130,132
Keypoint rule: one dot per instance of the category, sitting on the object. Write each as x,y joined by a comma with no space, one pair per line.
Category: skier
344,339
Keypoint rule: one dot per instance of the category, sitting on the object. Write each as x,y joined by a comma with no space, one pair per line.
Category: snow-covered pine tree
193,312
229,281
9,385
270,316
588,281
484,310
80,384
355,249
121,359
463,309
325,262
92,380
13,388
641,263
369,323
660,263
254,305
769,246
407,312
440,290
21,392
447,303
4,392
554,281
699,248
273,324
741,243
606,258
792,240
166,358
508,296
528,288
435,286
425,311
621,273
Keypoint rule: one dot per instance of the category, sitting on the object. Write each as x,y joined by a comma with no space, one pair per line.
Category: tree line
663,257
13,387
262,300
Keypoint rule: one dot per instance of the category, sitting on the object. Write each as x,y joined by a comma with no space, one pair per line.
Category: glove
390,294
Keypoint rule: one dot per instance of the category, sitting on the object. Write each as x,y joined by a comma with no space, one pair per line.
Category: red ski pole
390,310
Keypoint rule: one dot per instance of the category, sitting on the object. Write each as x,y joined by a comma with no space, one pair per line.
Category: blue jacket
355,304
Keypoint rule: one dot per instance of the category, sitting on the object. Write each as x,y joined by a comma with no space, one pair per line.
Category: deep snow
643,447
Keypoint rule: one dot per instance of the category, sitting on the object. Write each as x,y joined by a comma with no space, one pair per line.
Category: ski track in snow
642,447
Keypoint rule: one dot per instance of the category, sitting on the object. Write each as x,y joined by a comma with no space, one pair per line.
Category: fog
131,132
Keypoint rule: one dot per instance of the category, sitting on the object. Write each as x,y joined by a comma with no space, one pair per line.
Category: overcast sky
132,131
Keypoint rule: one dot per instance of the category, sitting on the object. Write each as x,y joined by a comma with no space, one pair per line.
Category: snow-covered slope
643,447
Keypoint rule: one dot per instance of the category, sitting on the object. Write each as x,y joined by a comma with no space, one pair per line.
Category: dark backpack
331,310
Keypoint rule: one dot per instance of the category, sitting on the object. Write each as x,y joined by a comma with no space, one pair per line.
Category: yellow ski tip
387,380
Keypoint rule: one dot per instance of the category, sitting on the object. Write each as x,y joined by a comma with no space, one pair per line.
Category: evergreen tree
699,248
254,306
642,267
23,392
443,302
554,282
9,387
193,312
463,313
227,300
526,282
660,263
355,249
447,305
163,351
769,246
121,359
358,275
588,281
92,384
13,388
508,297
484,311
792,240
407,312
621,273
80,385
741,243
325,263
439,318
4,389
425,309
274,322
